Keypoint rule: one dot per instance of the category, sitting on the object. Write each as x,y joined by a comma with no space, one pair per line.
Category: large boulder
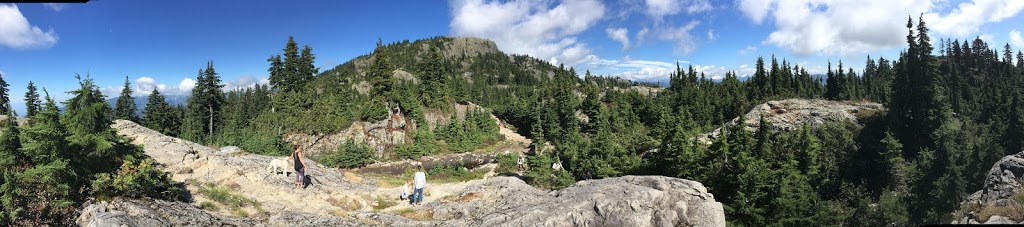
623,201
1000,198
150,212
792,114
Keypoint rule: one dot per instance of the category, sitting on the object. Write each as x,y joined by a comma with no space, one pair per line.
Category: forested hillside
953,111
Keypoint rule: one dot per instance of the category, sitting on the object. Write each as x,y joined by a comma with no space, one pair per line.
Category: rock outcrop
500,201
337,198
791,114
622,201
1004,187
379,136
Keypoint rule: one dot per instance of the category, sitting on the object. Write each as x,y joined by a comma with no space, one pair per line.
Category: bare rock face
622,201
379,136
1005,179
791,114
150,212
502,201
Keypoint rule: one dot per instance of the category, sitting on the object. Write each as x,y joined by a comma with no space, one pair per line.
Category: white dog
278,165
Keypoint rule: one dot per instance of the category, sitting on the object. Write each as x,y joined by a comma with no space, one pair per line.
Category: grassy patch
419,215
381,203
207,205
441,175
225,198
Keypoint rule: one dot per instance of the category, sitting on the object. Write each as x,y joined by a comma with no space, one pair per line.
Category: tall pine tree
125,107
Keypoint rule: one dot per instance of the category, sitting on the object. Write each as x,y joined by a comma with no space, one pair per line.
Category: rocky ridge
791,114
335,198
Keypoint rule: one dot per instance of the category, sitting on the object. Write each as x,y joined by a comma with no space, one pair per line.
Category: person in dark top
300,165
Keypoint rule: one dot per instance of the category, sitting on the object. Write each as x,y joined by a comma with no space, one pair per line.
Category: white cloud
756,10
646,70
529,27
842,27
642,34
988,38
682,42
834,27
619,34
186,85
657,9
1016,39
16,32
56,7
712,35
748,50
965,20
245,82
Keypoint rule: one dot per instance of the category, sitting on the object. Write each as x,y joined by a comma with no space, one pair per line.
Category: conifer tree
125,107
203,111
160,116
4,98
434,90
32,102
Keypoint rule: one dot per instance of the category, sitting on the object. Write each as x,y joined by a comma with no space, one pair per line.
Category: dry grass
351,177
467,197
419,215
1014,210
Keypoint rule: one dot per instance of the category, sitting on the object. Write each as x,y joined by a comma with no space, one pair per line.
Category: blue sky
162,44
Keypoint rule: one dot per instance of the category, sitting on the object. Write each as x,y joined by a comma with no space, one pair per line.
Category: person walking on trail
300,165
521,163
419,180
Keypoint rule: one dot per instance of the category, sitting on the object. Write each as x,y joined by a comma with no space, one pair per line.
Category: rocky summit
336,199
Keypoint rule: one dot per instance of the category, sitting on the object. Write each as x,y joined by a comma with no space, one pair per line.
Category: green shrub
137,179
349,155
507,163
450,171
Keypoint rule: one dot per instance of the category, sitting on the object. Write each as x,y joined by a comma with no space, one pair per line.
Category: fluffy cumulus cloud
842,27
620,35
530,27
17,33
834,27
964,20
1016,39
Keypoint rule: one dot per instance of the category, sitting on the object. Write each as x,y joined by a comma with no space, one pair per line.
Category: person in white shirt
405,191
419,181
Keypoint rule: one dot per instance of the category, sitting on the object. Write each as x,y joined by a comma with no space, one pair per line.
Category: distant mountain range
141,101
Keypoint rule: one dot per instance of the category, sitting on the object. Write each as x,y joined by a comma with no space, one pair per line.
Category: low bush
349,155
136,180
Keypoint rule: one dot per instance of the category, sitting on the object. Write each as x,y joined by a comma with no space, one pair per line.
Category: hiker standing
419,180
300,165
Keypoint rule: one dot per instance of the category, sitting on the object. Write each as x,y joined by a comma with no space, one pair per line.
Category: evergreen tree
4,98
32,103
204,105
125,107
160,116
434,89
